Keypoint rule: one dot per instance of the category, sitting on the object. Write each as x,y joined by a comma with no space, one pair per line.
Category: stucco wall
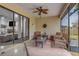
53,25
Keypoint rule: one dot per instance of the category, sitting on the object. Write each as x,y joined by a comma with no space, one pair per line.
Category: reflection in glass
6,31
26,28
17,28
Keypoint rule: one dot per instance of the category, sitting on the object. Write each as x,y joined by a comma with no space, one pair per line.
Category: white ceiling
53,8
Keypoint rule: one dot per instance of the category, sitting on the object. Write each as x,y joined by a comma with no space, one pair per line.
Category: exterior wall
53,25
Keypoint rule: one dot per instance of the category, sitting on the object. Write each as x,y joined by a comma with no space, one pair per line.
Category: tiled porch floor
19,50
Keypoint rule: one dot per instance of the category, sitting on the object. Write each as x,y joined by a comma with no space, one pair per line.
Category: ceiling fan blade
35,11
44,12
38,9
45,9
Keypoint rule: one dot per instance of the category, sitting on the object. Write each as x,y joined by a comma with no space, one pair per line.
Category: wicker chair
60,41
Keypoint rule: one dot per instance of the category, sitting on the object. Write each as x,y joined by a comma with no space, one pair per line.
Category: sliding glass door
20,28
64,27
70,28
17,28
14,29
6,28
26,30
73,15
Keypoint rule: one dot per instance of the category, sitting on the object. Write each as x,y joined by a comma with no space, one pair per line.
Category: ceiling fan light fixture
40,11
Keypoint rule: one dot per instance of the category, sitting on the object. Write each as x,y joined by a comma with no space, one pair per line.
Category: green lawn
74,36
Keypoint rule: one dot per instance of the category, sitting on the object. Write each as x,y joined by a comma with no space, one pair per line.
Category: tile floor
19,50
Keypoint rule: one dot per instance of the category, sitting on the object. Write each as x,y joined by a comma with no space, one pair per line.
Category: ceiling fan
40,10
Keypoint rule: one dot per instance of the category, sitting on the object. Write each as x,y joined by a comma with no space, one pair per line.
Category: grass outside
74,53
74,37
